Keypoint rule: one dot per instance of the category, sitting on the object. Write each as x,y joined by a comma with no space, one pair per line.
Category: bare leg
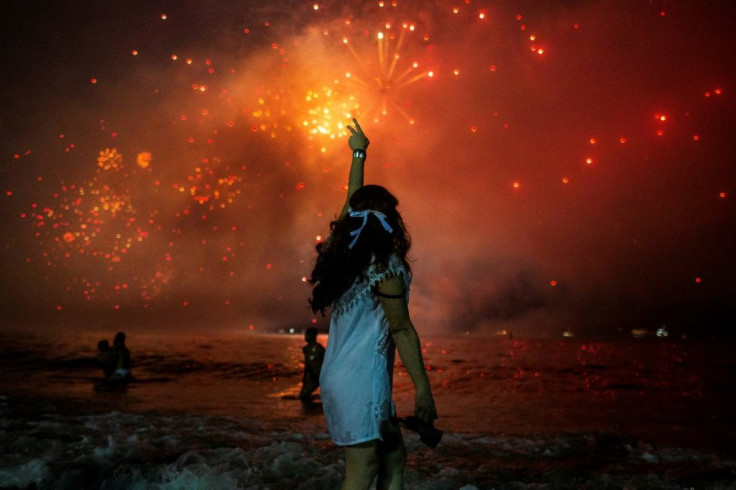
361,465
392,456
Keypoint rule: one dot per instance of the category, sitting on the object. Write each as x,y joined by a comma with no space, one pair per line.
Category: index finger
357,126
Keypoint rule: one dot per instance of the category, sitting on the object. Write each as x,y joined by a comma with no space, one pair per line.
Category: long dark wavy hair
338,266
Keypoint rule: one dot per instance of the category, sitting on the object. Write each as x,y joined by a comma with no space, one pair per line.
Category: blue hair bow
364,214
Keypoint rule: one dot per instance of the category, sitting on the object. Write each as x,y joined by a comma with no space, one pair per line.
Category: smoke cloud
560,167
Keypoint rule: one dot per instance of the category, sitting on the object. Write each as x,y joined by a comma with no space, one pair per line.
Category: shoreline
516,414
150,449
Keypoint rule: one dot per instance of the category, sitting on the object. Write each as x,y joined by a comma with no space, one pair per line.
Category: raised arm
392,295
358,144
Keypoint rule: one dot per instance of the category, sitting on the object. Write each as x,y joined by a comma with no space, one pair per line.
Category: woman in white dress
362,274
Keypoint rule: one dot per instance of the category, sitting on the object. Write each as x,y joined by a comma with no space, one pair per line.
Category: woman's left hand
358,139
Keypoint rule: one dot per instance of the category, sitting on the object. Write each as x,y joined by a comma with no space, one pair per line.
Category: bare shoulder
391,286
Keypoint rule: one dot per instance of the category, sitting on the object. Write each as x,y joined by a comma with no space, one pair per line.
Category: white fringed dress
357,373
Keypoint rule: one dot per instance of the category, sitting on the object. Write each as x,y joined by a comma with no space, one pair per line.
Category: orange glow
103,216
109,158
144,159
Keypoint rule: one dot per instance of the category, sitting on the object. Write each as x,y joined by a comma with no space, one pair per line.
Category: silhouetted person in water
314,354
105,358
121,357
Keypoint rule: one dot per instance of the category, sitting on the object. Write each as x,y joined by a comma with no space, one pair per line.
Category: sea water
220,411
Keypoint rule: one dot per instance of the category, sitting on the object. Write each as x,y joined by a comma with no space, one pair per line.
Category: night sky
563,165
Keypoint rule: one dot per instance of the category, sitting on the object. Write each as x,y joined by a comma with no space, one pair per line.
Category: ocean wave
46,448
